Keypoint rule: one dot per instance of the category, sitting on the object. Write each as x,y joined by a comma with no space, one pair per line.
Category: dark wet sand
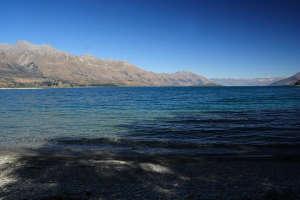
98,175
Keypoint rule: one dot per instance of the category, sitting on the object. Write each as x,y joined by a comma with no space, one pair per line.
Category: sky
214,38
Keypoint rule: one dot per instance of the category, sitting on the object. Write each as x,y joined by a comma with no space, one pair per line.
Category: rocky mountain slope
28,65
293,80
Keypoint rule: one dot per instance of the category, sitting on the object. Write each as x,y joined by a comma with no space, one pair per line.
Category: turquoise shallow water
194,120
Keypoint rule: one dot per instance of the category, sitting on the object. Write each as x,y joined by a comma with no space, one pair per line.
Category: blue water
187,120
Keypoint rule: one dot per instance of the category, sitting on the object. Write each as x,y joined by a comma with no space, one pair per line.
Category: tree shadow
41,174
69,174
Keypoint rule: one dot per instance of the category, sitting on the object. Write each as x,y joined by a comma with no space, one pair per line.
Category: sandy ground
102,175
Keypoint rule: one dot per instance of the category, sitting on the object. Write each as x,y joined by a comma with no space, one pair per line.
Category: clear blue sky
215,38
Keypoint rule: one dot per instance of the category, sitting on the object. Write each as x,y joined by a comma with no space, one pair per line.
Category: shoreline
127,86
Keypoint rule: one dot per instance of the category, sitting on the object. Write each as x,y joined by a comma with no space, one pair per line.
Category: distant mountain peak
183,72
24,43
27,44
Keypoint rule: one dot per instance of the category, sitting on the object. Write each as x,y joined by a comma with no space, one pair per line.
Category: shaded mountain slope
293,80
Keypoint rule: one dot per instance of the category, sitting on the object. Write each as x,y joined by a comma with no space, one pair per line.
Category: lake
247,121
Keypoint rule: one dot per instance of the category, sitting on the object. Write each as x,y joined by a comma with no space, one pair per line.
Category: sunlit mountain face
26,64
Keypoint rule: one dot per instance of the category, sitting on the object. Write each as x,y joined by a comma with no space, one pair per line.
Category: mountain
293,80
245,82
28,65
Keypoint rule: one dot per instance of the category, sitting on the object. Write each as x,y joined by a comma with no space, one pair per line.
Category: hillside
293,80
28,65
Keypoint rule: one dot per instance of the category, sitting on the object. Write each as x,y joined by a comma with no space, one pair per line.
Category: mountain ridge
26,65
292,80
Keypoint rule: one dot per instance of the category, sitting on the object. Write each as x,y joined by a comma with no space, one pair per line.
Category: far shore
101,86
91,86
21,88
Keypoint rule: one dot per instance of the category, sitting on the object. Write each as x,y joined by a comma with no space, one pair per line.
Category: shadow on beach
68,174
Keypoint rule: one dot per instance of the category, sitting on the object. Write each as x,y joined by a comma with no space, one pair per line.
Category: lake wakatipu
246,121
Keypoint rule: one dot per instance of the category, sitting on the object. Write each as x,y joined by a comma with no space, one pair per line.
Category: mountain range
246,81
29,65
